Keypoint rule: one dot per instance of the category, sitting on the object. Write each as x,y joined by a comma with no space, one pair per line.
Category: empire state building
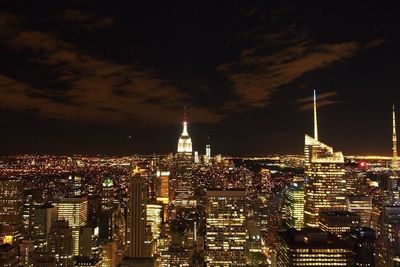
185,143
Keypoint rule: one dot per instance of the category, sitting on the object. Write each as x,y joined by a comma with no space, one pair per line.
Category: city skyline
85,78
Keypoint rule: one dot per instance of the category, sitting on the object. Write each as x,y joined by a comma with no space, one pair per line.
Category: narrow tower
315,117
395,160
184,142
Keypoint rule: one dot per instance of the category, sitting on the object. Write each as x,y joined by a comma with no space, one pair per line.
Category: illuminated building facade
136,219
361,205
185,142
11,208
338,222
225,228
388,237
163,186
325,186
294,203
74,210
175,256
311,247
109,254
182,180
154,219
107,197
61,243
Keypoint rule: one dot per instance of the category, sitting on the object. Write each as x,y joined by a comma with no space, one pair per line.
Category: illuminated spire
184,131
184,142
315,117
395,161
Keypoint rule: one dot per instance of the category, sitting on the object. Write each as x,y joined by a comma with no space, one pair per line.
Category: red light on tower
362,165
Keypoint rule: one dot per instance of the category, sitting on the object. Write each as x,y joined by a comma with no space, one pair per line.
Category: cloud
324,99
256,77
87,20
279,55
94,89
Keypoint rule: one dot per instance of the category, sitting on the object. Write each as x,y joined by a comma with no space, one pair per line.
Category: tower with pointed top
325,185
395,160
185,142
315,117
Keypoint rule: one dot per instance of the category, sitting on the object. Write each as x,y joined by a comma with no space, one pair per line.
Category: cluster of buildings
186,209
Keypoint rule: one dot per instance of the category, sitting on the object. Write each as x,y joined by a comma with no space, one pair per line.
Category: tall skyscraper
136,216
294,204
61,244
325,186
226,228
107,197
361,205
312,247
10,208
388,237
393,196
185,142
45,216
74,210
163,186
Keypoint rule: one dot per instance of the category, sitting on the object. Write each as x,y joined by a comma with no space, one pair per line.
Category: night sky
112,77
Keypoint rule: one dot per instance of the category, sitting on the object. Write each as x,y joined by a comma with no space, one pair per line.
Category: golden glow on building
294,203
325,186
74,210
226,228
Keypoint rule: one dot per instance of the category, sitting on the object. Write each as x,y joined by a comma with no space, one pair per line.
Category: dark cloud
86,20
280,54
96,89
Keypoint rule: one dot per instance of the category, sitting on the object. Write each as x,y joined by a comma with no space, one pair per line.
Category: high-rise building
175,256
393,196
325,186
182,180
163,186
294,204
45,215
9,255
136,216
388,237
61,244
89,242
74,210
109,254
154,219
338,222
185,142
10,209
107,197
361,205
311,247
225,228
362,241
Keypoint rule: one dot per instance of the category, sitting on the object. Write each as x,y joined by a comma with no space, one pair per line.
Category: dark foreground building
312,247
